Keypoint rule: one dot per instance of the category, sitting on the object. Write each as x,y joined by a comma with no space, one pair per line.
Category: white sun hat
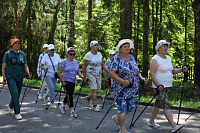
121,42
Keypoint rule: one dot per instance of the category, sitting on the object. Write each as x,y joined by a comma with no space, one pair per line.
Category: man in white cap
106,74
40,72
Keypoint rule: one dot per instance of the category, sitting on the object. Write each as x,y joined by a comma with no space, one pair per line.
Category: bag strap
51,62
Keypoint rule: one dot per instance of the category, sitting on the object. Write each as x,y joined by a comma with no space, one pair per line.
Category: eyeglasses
72,54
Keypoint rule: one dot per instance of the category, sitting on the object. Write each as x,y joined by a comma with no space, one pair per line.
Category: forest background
76,23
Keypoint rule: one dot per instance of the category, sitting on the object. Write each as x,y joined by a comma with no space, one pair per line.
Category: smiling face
16,45
124,48
163,48
71,55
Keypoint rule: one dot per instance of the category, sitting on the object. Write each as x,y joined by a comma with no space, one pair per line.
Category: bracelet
4,80
160,85
85,76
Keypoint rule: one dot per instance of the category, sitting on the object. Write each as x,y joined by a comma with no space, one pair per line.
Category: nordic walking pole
53,98
193,113
31,87
41,86
25,90
79,95
1,88
142,82
145,108
59,98
181,96
105,97
108,110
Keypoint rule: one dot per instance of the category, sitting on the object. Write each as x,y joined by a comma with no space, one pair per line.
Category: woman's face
95,47
71,54
125,48
163,48
51,52
16,45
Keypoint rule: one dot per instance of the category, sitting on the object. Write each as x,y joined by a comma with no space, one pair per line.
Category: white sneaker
96,108
18,117
62,109
153,124
11,111
40,96
45,100
176,128
53,105
73,114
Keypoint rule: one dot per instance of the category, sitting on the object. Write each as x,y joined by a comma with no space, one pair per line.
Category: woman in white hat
49,64
69,68
125,76
92,69
106,74
161,70
40,72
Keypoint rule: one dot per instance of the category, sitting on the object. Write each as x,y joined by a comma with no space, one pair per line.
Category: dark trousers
69,88
15,88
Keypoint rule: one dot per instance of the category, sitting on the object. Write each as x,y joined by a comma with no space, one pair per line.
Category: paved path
38,120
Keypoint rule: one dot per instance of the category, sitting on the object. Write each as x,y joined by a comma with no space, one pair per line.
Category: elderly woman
69,68
92,69
125,75
13,68
50,64
161,70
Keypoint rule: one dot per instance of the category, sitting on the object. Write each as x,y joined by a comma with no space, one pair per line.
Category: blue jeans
51,85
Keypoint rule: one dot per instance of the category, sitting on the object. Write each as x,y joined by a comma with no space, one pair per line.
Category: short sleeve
5,58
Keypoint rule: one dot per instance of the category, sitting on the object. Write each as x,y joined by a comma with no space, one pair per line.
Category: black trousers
69,88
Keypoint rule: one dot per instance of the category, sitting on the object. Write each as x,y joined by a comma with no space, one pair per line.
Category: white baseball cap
111,52
121,42
51,46
93,43
45,45
160,43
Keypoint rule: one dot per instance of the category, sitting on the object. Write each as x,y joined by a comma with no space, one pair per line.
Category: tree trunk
54,25
155,32
145,37
72,38
89,23
126,19
29,34
160,27
196,9
16,20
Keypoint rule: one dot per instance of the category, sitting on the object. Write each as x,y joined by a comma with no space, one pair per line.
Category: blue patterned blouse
127,70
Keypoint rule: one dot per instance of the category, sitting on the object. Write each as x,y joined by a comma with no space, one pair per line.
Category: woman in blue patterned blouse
125,82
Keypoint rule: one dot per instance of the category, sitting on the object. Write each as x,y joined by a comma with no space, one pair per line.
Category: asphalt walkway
38,120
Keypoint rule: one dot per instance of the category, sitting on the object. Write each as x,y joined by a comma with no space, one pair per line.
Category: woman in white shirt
50,64
92,69
161,71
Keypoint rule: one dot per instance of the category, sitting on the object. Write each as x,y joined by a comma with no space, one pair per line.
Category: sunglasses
72,54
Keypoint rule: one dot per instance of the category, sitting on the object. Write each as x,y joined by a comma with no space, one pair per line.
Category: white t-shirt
47,63
94,66
163,73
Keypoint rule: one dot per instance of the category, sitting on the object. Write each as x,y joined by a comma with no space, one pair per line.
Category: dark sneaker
73,114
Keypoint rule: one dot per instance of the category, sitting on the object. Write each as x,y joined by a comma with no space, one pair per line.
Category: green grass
190,95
